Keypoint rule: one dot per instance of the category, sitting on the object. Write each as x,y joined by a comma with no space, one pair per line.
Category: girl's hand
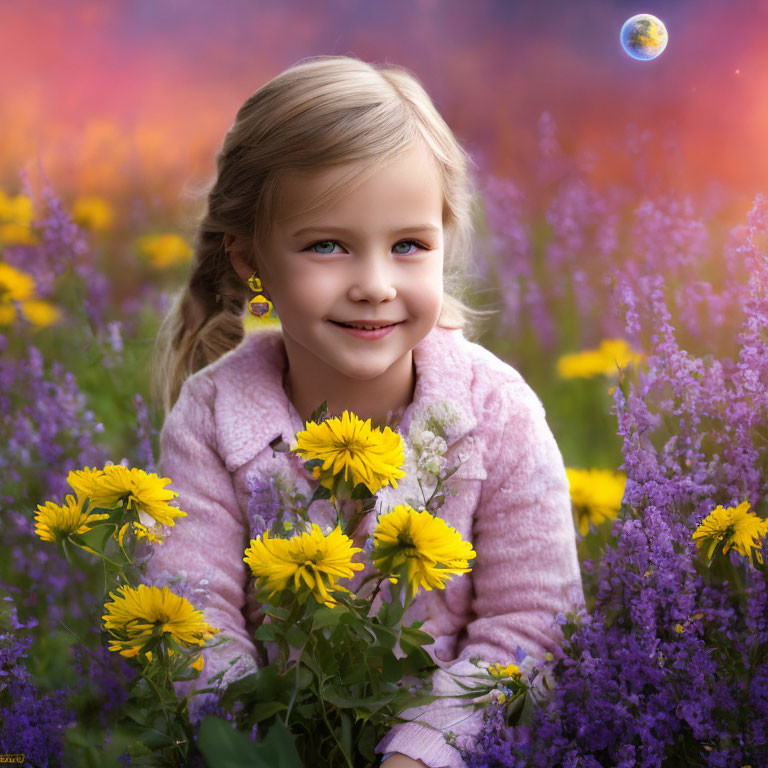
402,761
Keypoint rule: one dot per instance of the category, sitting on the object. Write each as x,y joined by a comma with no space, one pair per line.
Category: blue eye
322,242
328,242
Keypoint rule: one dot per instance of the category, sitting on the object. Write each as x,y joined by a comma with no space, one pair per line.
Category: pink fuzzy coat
512,503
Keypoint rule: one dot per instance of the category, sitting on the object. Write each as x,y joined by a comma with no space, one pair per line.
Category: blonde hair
323,112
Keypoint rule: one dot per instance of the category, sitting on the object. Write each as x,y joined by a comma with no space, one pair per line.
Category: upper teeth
367,327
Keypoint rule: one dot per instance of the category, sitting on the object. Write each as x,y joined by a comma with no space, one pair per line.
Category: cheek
307,287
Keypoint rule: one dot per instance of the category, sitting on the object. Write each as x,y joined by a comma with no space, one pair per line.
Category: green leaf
135,712
354,672
415,638
277,612
327,617
326,657
392,671
367,707
390,613
224,747
385,636
416,661
361,491
96,537
350,620
320,413
244,686
346,732
376,651
340,698
366,742
265,684
282,747
138,749
264,709
266,632
296,637
306,677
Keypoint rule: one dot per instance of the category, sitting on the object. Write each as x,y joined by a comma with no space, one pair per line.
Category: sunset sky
108,97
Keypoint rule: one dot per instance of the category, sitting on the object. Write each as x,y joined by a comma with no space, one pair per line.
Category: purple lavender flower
666,669
268,498
31,723
145,433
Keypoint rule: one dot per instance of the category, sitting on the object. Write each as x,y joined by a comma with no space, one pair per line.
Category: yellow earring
259,305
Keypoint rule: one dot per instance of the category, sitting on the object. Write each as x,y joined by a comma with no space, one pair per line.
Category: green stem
168,685
119,566
378,587
66,551
325,718
337,507
737,583
296,687
423,495
170,733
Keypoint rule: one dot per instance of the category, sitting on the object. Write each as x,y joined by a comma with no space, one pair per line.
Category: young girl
344,199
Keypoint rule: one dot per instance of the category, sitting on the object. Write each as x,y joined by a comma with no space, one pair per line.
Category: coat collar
252,407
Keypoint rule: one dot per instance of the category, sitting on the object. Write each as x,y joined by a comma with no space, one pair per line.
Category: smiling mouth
357,327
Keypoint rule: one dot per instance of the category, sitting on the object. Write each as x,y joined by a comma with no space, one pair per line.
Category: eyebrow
343,231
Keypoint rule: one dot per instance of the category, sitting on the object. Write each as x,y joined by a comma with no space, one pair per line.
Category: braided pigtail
204,321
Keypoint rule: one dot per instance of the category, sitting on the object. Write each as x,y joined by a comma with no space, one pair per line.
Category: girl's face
373,257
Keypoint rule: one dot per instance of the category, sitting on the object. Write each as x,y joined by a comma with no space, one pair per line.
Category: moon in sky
643,36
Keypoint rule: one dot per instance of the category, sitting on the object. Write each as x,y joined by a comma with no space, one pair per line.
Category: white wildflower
424,454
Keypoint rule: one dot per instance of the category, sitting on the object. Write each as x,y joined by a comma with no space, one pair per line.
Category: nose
372,281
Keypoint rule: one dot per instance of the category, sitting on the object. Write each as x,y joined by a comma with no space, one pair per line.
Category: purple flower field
669,664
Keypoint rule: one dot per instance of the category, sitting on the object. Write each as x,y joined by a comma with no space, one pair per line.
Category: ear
240,265
236,258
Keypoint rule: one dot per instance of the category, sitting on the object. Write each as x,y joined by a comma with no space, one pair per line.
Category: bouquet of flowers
342,673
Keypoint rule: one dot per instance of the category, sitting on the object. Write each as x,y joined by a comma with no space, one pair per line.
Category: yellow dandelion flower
150,655
120,535
136,614
115,483
141,531
93,213
165,250
309,560
501,670
617,352
580,365
16,234
40,313
196,664
54,522
596,495
735,526
17,209
15,285
425,547
597,362
352,450
15,220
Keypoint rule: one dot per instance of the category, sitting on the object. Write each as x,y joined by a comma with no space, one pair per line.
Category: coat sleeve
202,556
525,572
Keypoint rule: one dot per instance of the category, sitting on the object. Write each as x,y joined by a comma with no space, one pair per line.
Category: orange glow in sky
115,97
